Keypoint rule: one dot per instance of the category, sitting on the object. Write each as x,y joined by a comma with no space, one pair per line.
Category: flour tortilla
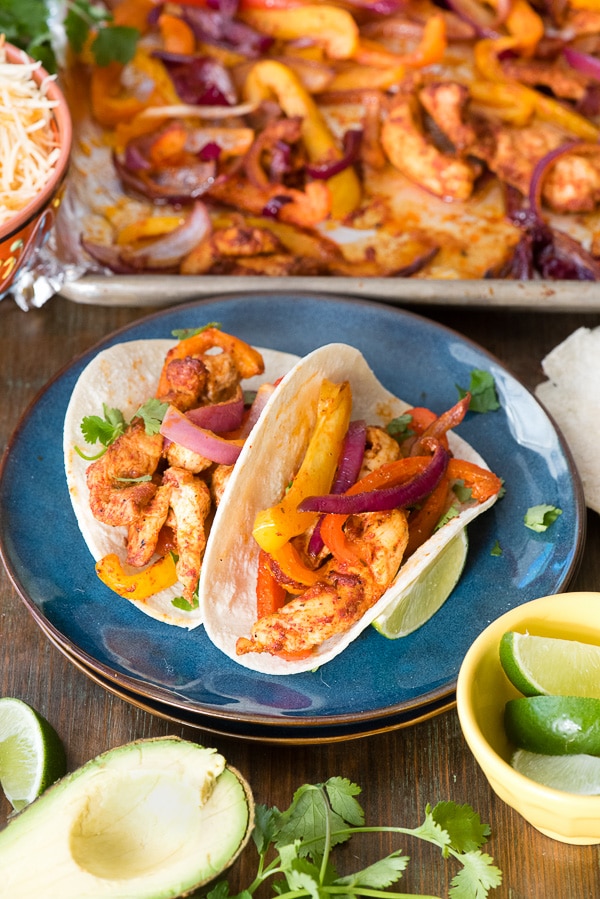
572,396
227,596
123,377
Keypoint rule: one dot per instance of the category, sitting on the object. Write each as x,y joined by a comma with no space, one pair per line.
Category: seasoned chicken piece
223,377
142,535
244,241
218,481
573,184
446,102
343,596
180,457
187,380
512,153
190,503
409,150
380,448
562,80
114,499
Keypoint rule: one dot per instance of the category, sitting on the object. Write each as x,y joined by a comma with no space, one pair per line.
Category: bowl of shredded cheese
35,147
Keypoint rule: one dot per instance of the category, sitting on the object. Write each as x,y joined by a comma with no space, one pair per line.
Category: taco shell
227,592
124,376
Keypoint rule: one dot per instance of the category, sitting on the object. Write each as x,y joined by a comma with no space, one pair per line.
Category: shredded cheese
28,143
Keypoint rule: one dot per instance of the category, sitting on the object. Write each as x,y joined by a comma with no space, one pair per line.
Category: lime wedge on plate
550,665
428,592
554,725
31,753
572,773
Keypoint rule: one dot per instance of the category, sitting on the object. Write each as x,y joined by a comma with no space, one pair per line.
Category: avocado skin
153,819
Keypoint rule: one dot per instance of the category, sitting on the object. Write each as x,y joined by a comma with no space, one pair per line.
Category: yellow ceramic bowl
29,228
482,692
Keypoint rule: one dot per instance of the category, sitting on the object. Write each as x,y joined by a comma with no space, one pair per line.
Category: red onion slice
170,249
351,146
219,417
351,456
583,62
177,428
263,394
381,500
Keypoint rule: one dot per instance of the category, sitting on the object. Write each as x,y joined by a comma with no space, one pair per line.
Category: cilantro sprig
295,847
27,24
482,388
105,430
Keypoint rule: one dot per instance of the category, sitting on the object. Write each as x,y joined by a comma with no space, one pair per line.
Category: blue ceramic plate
375,680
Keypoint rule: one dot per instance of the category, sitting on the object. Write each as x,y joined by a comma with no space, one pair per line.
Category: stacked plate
376,684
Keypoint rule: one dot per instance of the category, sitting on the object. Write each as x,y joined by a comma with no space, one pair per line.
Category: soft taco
145,502
290,587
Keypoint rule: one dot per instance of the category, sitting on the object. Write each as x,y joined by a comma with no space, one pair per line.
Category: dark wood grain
400,772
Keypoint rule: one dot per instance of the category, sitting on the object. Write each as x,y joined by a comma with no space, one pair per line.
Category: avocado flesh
152,819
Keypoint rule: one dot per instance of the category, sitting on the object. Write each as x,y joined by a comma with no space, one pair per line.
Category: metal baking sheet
164,290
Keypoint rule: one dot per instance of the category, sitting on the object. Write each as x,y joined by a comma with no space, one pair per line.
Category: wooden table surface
400,771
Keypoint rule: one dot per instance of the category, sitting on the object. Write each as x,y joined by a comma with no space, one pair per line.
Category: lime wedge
551,665
554,725
418,602
572,773
31,754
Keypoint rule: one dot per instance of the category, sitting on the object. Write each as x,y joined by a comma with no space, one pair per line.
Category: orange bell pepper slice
133,14
482,482
422,523
329,26
525,25
270,594
140,585
432,46
110,103
176,34
290,562
248,360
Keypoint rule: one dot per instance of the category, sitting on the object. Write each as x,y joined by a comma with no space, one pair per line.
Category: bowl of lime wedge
528,701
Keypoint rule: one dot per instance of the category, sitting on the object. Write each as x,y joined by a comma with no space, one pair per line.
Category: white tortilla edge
227,595
124,376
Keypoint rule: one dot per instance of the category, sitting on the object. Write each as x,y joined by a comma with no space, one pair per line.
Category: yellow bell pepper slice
274,527
271,77
140,585
550,110
148,228
328,26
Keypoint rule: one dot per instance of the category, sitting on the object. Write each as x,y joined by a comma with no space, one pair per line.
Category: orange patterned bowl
28,229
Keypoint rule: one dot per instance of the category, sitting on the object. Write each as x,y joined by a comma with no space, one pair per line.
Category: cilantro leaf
311,820
482,388
476,878
496,549
341,793
463,825
103,430
184,333
152,413
115,43
539,518
25,24
81,19
399,427
378,875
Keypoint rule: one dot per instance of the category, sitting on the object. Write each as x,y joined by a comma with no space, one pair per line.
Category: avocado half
154,818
